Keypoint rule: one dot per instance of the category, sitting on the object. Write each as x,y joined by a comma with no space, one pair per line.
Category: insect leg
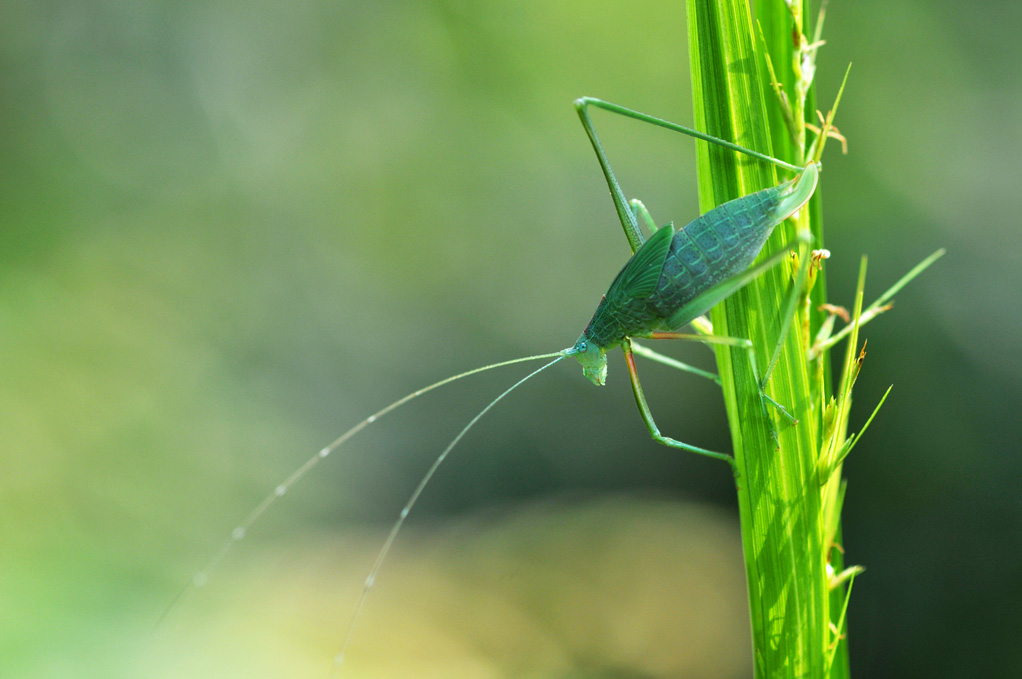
583,102
738,343
628,221
789,310
628,218
647,416
646,352
639,210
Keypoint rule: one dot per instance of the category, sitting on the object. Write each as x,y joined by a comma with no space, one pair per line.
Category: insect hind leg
626,213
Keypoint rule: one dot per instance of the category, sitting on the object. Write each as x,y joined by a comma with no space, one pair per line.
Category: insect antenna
202,577
389,542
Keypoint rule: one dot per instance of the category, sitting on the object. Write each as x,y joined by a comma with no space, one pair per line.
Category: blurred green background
233,229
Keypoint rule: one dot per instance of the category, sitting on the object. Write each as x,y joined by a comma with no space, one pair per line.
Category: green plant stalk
778,44
781,503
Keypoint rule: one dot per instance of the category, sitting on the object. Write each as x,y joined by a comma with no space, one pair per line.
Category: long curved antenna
371,579
201,577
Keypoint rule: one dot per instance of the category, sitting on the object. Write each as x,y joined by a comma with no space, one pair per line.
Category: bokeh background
233,229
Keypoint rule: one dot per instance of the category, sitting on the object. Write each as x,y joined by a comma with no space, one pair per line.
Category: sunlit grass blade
788,596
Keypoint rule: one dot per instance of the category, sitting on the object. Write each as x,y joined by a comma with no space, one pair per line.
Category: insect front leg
646,352
737,343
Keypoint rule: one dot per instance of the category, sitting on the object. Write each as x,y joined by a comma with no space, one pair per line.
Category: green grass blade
779,498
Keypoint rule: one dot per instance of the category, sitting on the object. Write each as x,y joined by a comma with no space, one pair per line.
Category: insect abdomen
713,248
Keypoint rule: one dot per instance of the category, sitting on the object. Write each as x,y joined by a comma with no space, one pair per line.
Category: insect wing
639,277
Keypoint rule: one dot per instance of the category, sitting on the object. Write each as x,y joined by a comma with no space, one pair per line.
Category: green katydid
672,278
675,277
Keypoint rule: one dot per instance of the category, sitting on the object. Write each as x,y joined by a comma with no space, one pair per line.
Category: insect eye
583,347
